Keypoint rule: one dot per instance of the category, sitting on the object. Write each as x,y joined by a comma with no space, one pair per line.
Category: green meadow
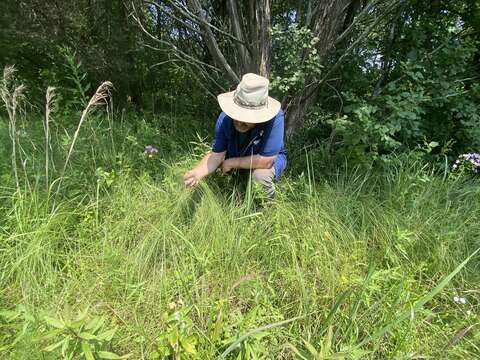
114,258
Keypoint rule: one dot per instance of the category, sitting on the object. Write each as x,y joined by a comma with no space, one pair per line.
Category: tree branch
358,18
211,42
237,30
197,19
360,38
176,51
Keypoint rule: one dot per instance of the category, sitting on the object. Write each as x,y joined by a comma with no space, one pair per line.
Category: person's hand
191,178
227,166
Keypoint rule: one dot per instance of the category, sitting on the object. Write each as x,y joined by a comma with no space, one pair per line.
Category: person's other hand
191,178
227,166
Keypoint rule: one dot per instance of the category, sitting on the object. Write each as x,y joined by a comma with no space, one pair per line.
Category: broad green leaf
107,335
310,348
111,356
87,351
52,347
9,315
82,315
95,324
51,334
28,316
173,337
54,322
189,345
86,336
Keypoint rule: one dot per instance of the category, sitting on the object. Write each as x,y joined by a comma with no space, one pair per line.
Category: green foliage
78,96
363,137
83,337
15,326
291,71
332,267
79,337
347,262
179,341
433,99
234,333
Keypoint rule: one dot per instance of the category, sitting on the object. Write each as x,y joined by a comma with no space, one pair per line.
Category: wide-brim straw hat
250,102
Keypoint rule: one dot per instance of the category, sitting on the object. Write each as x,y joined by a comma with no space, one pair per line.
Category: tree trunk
327,26
265,41
296,112
211,42
244,59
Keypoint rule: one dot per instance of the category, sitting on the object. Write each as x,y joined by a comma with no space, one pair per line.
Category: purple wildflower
469,162
150,150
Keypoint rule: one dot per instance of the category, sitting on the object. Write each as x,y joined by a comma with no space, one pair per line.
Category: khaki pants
266,178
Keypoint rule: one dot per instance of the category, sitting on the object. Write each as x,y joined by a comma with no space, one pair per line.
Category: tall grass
12,95
49,102
351,263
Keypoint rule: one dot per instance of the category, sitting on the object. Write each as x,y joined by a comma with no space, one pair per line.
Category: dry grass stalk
101,96
12,96
459,335
243,279
50,95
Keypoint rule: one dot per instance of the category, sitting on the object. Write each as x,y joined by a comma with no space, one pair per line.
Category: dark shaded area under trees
364,77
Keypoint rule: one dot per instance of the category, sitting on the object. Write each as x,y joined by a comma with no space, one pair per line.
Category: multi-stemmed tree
221,40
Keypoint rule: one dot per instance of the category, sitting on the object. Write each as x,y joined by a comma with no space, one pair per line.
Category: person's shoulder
279,117
280,114
224,123
223,118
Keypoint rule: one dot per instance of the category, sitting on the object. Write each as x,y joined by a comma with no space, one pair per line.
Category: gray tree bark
327,25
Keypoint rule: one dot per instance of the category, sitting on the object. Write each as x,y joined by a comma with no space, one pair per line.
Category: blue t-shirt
264,139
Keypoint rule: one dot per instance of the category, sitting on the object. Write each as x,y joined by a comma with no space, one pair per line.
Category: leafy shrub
82,336
290,72
15,326
429,98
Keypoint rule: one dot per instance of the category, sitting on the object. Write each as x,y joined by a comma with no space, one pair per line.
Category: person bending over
248,136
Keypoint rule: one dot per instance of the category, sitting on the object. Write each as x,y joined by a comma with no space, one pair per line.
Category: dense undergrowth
119,258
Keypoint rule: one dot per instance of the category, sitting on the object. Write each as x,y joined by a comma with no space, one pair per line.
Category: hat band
245,105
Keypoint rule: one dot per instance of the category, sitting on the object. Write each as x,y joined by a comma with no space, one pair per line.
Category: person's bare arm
248,162
209,163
